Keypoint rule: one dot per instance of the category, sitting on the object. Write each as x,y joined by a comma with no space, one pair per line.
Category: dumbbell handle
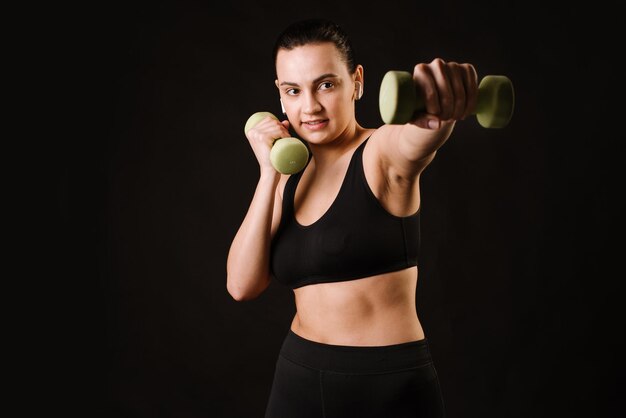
288,155
399,99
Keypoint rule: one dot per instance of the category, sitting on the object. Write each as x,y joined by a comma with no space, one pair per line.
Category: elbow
240,296
236,292
243,294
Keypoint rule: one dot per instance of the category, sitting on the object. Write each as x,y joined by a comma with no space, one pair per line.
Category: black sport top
356,237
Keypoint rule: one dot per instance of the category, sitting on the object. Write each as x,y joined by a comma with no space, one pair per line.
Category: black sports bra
356,237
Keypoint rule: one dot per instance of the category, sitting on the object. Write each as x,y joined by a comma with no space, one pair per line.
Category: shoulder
381,140
397,191
401,157
378,153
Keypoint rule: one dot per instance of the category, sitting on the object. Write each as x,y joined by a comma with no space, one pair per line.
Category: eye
326,85
292,92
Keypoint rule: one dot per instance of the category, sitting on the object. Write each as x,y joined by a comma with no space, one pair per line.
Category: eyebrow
318,79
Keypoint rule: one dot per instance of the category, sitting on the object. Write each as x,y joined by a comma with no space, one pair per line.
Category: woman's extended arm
450,91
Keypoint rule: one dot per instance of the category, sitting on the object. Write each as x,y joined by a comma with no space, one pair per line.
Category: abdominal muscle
372,311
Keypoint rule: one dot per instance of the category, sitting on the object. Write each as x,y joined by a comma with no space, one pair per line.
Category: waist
355,359
381,327
377,310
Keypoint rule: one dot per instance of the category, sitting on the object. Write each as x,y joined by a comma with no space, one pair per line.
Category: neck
329,153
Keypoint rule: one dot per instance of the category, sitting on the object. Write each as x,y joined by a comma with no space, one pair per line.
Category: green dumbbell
399,100
288,155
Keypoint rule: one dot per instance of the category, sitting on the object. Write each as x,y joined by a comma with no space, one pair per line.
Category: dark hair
312,31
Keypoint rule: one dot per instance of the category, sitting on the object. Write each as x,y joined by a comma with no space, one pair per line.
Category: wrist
269,175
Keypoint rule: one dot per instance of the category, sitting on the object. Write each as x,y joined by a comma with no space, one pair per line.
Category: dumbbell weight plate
288,155
496,100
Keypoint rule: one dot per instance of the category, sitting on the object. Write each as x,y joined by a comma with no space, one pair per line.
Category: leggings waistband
344,358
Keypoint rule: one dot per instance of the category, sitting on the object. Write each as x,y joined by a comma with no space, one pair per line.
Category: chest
315,195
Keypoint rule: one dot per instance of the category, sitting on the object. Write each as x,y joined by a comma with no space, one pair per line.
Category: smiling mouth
315,122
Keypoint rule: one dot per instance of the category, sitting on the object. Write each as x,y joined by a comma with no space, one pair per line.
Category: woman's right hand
262,137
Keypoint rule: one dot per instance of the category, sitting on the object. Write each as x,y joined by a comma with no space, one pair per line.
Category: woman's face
317,91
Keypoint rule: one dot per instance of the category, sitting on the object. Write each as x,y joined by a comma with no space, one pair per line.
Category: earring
359,93
282,107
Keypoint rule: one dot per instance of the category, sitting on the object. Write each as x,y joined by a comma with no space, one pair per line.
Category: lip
315,124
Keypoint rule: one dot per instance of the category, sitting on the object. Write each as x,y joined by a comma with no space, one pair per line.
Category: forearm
247,265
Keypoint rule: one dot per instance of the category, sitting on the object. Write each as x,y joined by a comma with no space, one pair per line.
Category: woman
344,233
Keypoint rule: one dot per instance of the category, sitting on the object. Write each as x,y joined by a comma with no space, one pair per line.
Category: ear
358,82
276,82
358,90
358,73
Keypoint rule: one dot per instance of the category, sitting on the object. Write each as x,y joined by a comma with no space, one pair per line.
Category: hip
372,330
314,380
355,359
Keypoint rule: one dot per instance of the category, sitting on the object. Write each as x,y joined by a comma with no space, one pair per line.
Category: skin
315,84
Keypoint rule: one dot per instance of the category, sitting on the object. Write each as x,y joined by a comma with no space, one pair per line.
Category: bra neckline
332,205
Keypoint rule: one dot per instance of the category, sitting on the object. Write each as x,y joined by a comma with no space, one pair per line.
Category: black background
521,244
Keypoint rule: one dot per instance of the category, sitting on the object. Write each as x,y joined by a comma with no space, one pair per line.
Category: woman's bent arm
247,266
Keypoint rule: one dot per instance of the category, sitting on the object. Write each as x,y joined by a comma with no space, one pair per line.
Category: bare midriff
372,311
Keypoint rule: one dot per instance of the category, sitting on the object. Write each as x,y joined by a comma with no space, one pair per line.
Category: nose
311,105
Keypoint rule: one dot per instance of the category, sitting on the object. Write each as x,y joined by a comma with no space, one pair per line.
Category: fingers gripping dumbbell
288,155
399,99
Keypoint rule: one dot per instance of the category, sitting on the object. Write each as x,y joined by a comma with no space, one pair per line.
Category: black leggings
316,380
